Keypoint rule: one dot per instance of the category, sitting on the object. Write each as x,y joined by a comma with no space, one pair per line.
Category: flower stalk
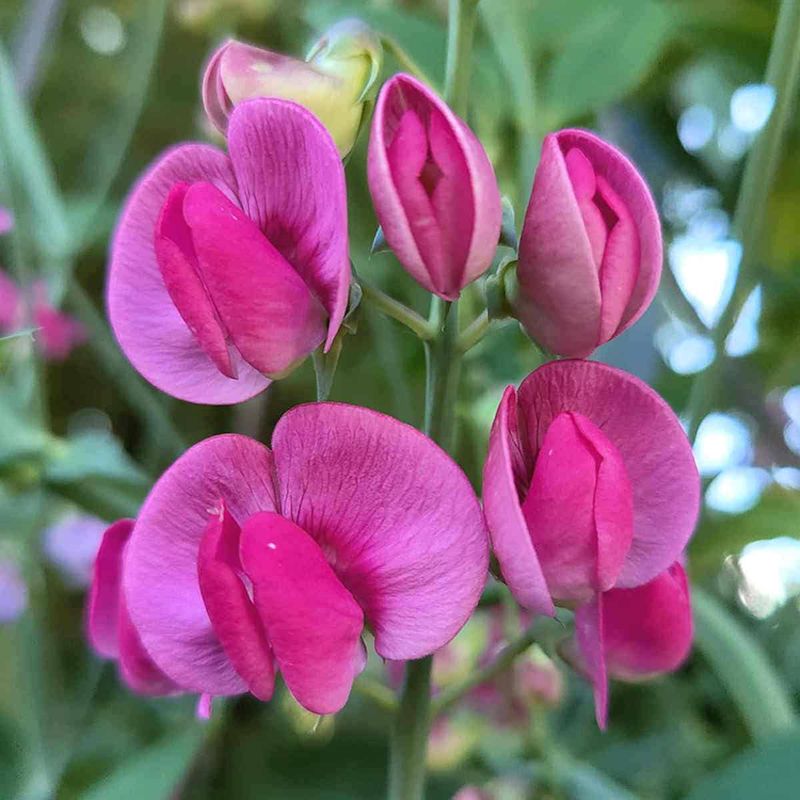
398,311
407,763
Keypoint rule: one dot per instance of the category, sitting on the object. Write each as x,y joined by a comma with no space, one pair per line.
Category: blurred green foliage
113,82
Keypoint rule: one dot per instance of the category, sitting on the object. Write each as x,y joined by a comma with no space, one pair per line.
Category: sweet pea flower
56,333
433,188
590,250
246,561
227,269
110,630
589,485
634,634
334,81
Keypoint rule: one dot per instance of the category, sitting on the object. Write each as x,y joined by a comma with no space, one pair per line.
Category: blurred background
92,90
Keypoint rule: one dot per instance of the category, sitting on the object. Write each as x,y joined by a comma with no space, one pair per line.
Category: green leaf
605,57
153,773
507,22
768,772
743,667
27,157
106,154
94,471
20,440
93,455
588,783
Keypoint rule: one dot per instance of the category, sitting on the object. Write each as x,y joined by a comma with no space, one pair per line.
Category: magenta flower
634,634
590,251
227,271
589,484
433,188
246,561
56,333
110,630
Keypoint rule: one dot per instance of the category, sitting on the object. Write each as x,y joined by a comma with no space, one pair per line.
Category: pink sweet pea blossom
333,82
433,188
56,333
228,270
110,630
634,634
590,251
247,561
590,484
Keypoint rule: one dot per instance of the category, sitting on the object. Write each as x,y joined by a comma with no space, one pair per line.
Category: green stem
397,311
443,370
474,332
783,74
412,724
108,152
460,33
410,735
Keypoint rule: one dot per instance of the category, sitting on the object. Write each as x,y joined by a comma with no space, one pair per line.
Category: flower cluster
229,268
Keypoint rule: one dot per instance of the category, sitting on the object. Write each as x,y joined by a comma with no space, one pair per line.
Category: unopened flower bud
590,250
334,81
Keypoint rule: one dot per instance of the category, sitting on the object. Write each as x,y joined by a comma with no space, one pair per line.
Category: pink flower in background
433,188
589,485
6,220
246,561
333,82
590,250
507,699
634,634
56,334
472,793
109,626
71,546
228,269
13,592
